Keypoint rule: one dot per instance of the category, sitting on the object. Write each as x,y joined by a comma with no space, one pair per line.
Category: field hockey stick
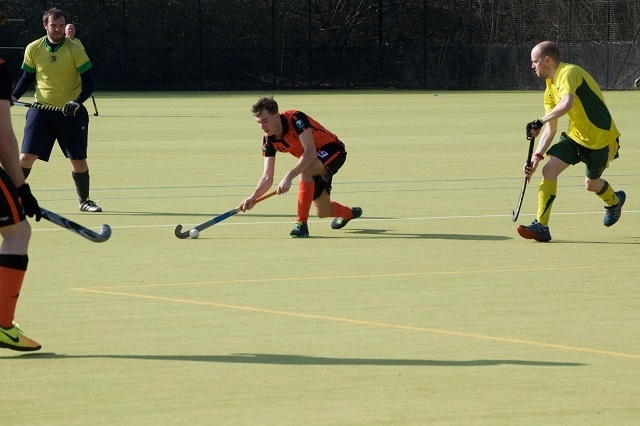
217,219
516,212
90,235
39,106
68,110
95,107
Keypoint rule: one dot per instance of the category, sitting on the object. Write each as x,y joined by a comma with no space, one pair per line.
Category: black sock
82,184
14,261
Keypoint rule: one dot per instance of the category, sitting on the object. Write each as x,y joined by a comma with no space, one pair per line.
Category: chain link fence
267,44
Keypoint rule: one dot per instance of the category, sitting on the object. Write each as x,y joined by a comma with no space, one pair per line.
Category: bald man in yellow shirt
591,138
70,33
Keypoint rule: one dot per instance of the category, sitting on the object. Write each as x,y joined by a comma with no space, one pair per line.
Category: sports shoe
339,222
300,230
89,206
612,213
15,339
535,231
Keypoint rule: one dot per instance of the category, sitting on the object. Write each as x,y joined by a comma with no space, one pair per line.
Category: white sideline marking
362,219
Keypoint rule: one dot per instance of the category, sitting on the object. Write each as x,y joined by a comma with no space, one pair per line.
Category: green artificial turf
428,310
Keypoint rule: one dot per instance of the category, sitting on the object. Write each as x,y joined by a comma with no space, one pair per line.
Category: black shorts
11,210
44,127
333,156
596,160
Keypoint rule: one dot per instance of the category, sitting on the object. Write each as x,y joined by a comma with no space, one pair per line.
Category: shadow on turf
384,233
275,359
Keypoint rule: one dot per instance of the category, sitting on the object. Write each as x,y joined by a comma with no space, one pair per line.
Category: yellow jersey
590,123
57,70
77,40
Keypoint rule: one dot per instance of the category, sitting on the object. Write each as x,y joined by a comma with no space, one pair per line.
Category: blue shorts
43,128
11,210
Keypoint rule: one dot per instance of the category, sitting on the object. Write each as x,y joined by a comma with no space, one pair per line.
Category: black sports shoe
535,231
612,213
339,222
300,230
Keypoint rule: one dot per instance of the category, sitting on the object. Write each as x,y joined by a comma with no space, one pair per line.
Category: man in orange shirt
320,155
16,202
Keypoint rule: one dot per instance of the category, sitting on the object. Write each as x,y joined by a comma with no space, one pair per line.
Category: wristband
538,156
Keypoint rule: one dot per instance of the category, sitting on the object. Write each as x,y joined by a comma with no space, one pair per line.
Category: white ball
194,233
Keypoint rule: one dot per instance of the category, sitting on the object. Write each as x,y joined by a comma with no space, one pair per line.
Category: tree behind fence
266,44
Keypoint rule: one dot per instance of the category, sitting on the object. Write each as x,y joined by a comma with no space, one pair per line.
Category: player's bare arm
9,146
548,133
565,104
306,160
264,183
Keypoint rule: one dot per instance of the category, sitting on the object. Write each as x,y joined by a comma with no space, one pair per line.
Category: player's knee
27,160
306,176
16,238
24,232
549,173
324,211
593,185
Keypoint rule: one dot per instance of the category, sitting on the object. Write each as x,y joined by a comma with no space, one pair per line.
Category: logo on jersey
299,124
53,58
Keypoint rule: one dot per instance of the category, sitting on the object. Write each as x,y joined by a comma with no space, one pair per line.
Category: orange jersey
294,123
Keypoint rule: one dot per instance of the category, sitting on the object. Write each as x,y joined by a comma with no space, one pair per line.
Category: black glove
29,202
70,108
534,126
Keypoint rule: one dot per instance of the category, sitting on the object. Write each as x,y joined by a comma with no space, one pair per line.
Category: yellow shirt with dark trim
57,71
590,123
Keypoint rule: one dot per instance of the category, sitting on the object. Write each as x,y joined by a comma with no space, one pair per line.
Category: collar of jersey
48,46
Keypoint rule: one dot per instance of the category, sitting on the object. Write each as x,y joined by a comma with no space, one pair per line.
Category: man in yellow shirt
591,138
63,77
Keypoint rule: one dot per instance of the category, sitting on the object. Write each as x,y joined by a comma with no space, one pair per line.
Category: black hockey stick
39,106
90,235
95,107
516,212
217,219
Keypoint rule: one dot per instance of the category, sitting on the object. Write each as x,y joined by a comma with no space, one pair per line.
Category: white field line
232,222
